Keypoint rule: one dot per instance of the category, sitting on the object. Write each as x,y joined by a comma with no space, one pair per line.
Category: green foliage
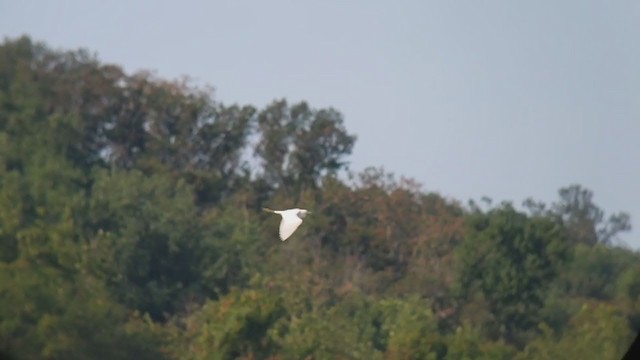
628,294
361,327
411,329
594,269
510,258
584,220
236,326
299,145
48,313
348,330
595,332
130,227
468,343
154,247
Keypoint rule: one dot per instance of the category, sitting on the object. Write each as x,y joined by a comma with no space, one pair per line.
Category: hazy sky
508,99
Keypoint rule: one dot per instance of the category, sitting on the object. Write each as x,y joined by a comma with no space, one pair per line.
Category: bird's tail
268,210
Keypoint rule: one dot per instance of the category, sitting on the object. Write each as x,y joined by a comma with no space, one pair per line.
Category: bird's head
302,213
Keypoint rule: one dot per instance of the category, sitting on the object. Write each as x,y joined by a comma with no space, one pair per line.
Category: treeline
130,228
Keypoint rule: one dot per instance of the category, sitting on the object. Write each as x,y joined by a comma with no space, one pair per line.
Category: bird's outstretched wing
289,224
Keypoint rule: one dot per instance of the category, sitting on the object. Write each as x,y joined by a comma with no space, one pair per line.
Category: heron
291,220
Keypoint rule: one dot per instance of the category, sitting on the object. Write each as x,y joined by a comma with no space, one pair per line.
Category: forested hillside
131,228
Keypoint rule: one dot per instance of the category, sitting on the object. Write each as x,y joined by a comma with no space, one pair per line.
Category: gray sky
508,99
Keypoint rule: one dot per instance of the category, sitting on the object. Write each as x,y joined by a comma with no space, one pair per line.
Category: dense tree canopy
130,227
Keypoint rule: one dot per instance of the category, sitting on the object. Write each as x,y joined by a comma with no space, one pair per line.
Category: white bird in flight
291,219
